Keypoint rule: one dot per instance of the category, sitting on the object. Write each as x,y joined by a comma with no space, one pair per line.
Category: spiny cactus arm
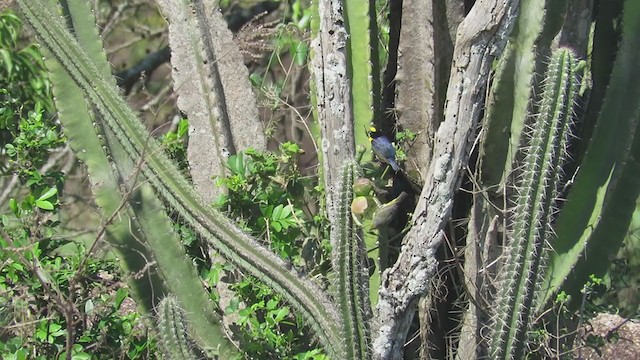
603,198
213,89
332,90
479,39
351,273
176,193
174,341
544,148
140,231
180,275
82,20
73,113
603,48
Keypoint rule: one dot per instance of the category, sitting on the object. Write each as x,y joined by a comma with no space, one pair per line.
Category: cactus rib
544,151
174,341
137,227
352,290
598,213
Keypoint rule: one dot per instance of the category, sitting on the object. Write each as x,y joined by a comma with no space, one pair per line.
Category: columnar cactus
543,150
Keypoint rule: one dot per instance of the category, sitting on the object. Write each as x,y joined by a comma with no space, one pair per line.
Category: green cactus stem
543,149
352,275
174,341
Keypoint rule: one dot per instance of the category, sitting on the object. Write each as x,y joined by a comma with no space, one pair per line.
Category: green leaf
281,314
21,354
285,223
6,59
296,8
286,212
11,150
256,80
44,204
49,331
300,49
80,356
271,304
13,205
50,193
27,203
88,307
183,128
267,211
277,212
233,306
214,274
35,177
121,294
236,164
304,22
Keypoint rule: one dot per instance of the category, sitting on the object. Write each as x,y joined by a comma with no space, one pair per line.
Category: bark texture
480,39
213,89
329,70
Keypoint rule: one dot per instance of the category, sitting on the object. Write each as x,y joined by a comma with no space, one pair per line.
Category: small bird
387,212
383,148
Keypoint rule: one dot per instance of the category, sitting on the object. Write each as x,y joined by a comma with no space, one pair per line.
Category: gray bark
333,96
213,89
424,60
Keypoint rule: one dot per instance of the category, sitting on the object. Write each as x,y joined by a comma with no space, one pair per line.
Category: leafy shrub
269,197
23,77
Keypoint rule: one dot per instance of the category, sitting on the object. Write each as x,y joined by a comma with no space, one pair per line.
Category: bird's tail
394,165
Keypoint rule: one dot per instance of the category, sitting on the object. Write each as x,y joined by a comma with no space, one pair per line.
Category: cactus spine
352,292
174,341
543,149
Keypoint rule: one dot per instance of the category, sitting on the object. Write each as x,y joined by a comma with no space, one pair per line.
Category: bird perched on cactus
383,148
